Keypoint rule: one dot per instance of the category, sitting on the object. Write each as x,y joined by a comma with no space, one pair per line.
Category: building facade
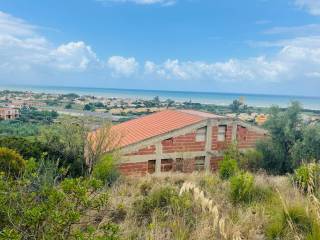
180,140
9,113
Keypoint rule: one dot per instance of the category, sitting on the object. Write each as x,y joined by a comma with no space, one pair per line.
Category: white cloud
295,30
74,56
23,48
121,66
312,6
14,26
143,2
252,69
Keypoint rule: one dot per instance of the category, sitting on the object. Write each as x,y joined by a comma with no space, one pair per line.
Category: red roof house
180,140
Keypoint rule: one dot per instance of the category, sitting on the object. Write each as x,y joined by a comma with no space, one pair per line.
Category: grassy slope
142,209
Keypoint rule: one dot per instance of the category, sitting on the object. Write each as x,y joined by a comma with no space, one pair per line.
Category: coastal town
117,109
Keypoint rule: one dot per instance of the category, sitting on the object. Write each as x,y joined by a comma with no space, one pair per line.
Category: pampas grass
212,214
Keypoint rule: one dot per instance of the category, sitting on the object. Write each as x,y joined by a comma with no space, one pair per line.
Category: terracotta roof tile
156,124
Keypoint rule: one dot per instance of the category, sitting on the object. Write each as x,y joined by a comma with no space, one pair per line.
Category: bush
228,167
27,148
304,222
145,188
299,217
11,162
164,199
105,170
274,229
262,193
307,177
251,160
241,187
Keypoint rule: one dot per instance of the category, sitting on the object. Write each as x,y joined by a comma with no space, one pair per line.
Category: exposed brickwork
184,143
188,165
133,169
247,138
214,163
144,151
216,145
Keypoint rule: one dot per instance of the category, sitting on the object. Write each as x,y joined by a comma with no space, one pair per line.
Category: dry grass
213,215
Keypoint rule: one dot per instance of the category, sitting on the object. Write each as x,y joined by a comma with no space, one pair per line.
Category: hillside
163,208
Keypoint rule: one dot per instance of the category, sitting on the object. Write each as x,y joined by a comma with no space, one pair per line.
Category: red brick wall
214,163
133,169
184,143
221,145
247,138
187,143
143,151
188,165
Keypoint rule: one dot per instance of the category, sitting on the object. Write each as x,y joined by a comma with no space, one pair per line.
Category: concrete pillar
208,146
234,131
158,157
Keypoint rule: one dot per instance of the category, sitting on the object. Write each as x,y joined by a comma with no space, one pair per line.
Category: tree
26,147
157,101
285,130
66,141
235,106
11,162
307,149
169,102
89,107
99,142
68,106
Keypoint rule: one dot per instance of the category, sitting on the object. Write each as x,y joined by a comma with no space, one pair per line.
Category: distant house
26,103
261,119
9,113
180,140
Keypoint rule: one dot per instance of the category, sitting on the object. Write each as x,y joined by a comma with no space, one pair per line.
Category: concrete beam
185,155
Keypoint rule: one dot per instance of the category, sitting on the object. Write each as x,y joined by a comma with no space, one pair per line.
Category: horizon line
159,90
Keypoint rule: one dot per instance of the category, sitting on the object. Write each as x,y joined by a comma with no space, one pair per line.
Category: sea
218,98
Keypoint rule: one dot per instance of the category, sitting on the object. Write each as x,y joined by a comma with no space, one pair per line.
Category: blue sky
261,46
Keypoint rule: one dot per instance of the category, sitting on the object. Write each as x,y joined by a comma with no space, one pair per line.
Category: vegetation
27,148
60,184
28,124
11,163
241,187
105,170
36,207
228,167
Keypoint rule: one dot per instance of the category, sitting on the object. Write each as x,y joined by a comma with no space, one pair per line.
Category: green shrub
251,160
315,232
299,217
158,199
228,167
165,199
241,187
307,177
275,228
25,147
262,193
105,170
145,188
11,162
303,221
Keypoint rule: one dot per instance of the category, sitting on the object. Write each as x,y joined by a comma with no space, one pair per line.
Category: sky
247,46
